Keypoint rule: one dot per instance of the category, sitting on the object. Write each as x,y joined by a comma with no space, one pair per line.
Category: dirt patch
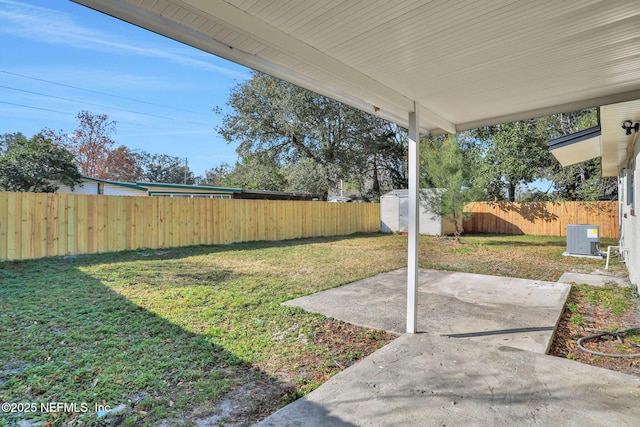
586,315
284,381
244,406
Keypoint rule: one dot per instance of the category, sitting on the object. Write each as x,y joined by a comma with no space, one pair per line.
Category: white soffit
617,147
465,63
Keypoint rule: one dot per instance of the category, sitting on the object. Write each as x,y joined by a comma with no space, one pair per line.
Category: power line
69,114
34,108
102,105
82,102
98,92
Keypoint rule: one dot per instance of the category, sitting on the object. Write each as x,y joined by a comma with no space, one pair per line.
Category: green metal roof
146,185
117,183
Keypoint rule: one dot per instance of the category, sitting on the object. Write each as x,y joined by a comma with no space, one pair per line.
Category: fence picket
541,218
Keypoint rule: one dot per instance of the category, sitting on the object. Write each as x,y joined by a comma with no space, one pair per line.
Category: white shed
394,216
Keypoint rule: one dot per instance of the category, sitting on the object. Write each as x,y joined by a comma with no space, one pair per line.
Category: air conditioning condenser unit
583,239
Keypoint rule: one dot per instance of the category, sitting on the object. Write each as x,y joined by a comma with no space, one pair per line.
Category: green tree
517,153
307,176
9,139
95,150
384,158
165,169
449,174
288,124
36,165
258,172
514,153
216,176
581,181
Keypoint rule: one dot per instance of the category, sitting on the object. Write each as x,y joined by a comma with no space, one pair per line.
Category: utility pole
186,167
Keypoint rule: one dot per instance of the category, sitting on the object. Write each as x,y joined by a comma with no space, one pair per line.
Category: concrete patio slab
505,311
430,380
481,361
593,279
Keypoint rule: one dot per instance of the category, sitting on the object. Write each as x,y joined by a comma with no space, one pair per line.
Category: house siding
630,215
85,187
92,187
115,190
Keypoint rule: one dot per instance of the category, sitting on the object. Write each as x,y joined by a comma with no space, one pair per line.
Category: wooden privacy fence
541,218
36,225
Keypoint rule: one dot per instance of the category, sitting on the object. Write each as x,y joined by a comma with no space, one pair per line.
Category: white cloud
46,25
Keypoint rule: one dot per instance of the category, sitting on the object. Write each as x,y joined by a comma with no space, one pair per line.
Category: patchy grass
594,309
169,334
528,257
199,333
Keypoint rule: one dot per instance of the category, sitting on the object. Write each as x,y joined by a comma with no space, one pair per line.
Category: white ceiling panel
463,63
617,146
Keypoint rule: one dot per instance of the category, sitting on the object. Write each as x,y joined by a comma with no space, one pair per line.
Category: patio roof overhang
609,140
464,64
617,146
433,66
577,147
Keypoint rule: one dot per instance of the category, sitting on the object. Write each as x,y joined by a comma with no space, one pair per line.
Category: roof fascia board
577,147
574,138
365,93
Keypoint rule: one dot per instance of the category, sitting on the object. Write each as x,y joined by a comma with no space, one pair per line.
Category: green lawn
172,334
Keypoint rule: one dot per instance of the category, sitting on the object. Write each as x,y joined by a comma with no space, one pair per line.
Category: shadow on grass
509,240
85,260
65,337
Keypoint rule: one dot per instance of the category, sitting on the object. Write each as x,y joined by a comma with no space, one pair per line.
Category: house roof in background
460,64
156,186
116,183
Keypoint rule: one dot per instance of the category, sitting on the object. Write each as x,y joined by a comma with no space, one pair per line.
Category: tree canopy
581,181
296,128
35,165
164,168
95,150
514,153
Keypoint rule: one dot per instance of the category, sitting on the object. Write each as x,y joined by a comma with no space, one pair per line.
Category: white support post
414,221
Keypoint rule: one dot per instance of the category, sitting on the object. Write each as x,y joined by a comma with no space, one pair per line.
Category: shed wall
393,210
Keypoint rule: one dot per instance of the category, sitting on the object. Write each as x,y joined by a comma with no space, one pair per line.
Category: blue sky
59,58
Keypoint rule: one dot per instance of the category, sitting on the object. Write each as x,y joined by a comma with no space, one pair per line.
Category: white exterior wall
430,224
389,213
91,187
629,196
86,187
116,190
